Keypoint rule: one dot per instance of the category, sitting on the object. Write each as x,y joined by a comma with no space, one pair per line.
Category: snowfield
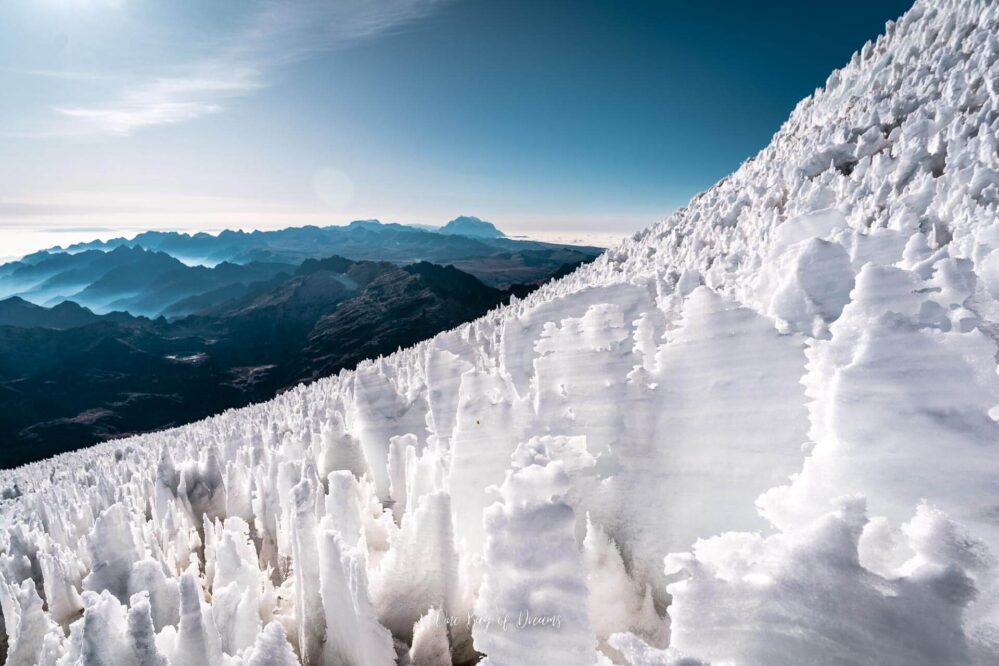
763,431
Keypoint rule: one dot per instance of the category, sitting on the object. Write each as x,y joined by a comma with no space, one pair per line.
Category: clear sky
566,116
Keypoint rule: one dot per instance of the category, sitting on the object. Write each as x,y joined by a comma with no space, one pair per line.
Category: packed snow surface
763,431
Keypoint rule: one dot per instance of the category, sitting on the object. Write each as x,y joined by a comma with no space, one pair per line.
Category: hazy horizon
17,242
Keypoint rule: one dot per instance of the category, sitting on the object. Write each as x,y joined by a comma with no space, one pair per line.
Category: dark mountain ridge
15,311
70,377
174,274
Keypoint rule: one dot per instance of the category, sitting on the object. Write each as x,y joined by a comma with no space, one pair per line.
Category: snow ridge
761,431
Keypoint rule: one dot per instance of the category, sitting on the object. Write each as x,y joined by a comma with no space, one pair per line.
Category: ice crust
762,431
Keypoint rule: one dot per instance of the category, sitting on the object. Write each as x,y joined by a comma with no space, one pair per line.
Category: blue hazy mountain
126,278
71,377
463,242
115,337
471,226
175,274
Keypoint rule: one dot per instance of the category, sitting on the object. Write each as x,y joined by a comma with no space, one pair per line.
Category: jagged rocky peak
762,431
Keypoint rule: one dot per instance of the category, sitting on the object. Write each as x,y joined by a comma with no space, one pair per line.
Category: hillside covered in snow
763,431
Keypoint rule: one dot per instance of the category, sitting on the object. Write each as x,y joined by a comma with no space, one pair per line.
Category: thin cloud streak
167,101
281,33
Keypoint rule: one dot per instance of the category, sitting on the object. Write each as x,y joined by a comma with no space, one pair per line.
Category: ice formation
763,431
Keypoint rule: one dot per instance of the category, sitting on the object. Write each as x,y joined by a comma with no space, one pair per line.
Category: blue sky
540,115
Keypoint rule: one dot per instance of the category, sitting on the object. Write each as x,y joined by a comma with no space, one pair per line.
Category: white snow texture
762,431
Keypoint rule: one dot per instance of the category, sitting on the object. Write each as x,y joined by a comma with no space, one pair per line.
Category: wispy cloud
279,33
166,101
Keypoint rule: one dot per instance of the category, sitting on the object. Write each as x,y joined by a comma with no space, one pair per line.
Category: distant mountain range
175,274
116,337
463,242
221,337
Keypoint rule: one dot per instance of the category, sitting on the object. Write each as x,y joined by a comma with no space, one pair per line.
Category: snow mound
762,431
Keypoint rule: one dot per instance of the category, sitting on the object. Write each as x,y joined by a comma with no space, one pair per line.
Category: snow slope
760,432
